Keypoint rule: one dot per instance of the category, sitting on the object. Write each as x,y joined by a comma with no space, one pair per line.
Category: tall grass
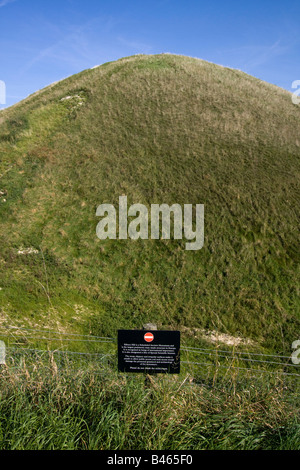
43,406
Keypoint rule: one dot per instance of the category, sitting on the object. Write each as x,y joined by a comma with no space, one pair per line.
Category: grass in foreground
47,408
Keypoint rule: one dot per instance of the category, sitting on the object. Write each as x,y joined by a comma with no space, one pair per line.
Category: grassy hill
159,129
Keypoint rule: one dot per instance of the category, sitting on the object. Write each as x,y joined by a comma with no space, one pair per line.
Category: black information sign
149,351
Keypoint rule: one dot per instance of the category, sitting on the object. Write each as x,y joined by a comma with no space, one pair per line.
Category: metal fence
32,346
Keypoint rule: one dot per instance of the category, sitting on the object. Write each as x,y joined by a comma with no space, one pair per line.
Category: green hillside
159,129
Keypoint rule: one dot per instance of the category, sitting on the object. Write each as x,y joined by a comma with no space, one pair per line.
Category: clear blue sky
44,41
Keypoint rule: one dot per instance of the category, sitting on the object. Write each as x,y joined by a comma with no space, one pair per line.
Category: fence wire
234,360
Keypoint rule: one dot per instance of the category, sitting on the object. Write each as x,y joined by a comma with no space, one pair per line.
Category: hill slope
159,129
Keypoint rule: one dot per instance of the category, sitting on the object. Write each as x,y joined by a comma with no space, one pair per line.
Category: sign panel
149,351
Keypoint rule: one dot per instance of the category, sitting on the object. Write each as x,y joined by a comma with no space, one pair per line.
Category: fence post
149,326
2,353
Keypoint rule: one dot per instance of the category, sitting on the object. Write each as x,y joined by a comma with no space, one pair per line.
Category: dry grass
45,407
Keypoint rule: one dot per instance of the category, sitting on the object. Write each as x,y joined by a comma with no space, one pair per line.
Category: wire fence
34,345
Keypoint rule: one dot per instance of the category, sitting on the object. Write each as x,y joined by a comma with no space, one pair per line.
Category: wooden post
2,355
149,326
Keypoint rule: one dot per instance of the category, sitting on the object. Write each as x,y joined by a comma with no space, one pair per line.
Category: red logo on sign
148,337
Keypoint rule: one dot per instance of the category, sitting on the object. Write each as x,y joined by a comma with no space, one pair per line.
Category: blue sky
44,41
